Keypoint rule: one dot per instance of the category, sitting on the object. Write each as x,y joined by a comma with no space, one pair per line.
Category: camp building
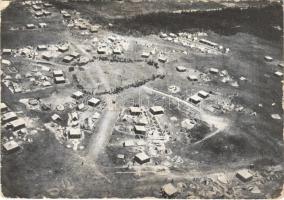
141,158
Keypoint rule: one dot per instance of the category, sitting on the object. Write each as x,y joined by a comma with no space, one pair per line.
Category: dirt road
100,139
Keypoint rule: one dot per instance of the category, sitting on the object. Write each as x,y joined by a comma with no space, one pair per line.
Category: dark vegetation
257,21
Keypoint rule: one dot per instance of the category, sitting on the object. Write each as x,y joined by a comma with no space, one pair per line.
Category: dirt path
100,139
218,122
